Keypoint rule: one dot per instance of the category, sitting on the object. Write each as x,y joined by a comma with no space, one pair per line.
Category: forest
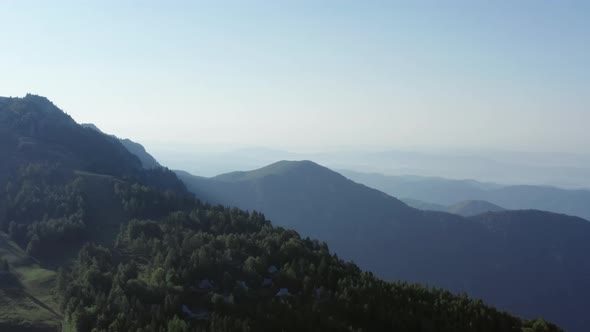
183,265
135,251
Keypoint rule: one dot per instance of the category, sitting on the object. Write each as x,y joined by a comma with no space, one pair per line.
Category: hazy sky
300,74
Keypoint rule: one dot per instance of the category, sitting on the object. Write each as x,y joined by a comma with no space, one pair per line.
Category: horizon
311,76
502,167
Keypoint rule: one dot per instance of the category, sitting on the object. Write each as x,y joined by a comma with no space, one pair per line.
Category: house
228,299
267,282
283,292
272,269
243,284
321,294
205,284
187,311
201,314
318,293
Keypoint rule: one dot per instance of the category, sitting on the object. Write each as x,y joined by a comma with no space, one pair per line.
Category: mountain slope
385,236
421,205
66,186
465,208
473,208
322,204
147,160
447,192
58,182
62,169
33,130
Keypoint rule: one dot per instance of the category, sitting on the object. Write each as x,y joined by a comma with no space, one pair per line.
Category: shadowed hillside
395,241
147,160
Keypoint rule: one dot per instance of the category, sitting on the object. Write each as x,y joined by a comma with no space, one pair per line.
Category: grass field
26,302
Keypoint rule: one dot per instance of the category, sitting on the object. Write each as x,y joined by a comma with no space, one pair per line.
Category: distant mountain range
528,262
563,170
465,208
473,208
448,192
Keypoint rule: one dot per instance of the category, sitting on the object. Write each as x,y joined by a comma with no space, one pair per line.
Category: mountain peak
91,126
37,108
291,165
474,207
38,98
41,103
283,167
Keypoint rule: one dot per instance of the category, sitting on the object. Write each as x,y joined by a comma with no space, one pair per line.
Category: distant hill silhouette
421,205
464,208
495,256
447,192
473,208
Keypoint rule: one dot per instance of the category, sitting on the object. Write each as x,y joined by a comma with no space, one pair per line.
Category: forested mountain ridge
62,168
147,160
34,130
174,263
387,237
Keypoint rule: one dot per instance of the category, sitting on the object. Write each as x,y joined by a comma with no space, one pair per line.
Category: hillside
146,159
465,208
59,184
473,208
34,130
421,205
90,240
64,170
447,192
395,241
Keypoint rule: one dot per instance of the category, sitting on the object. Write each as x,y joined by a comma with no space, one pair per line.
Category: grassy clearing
26,302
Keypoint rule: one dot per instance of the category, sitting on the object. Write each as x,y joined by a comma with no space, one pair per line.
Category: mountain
495,256
32,129
59,184
447,192
147,160
465,208
421,205
473,208
92,241
563,170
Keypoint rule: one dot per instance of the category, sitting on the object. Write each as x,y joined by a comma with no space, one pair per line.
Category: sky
512,75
